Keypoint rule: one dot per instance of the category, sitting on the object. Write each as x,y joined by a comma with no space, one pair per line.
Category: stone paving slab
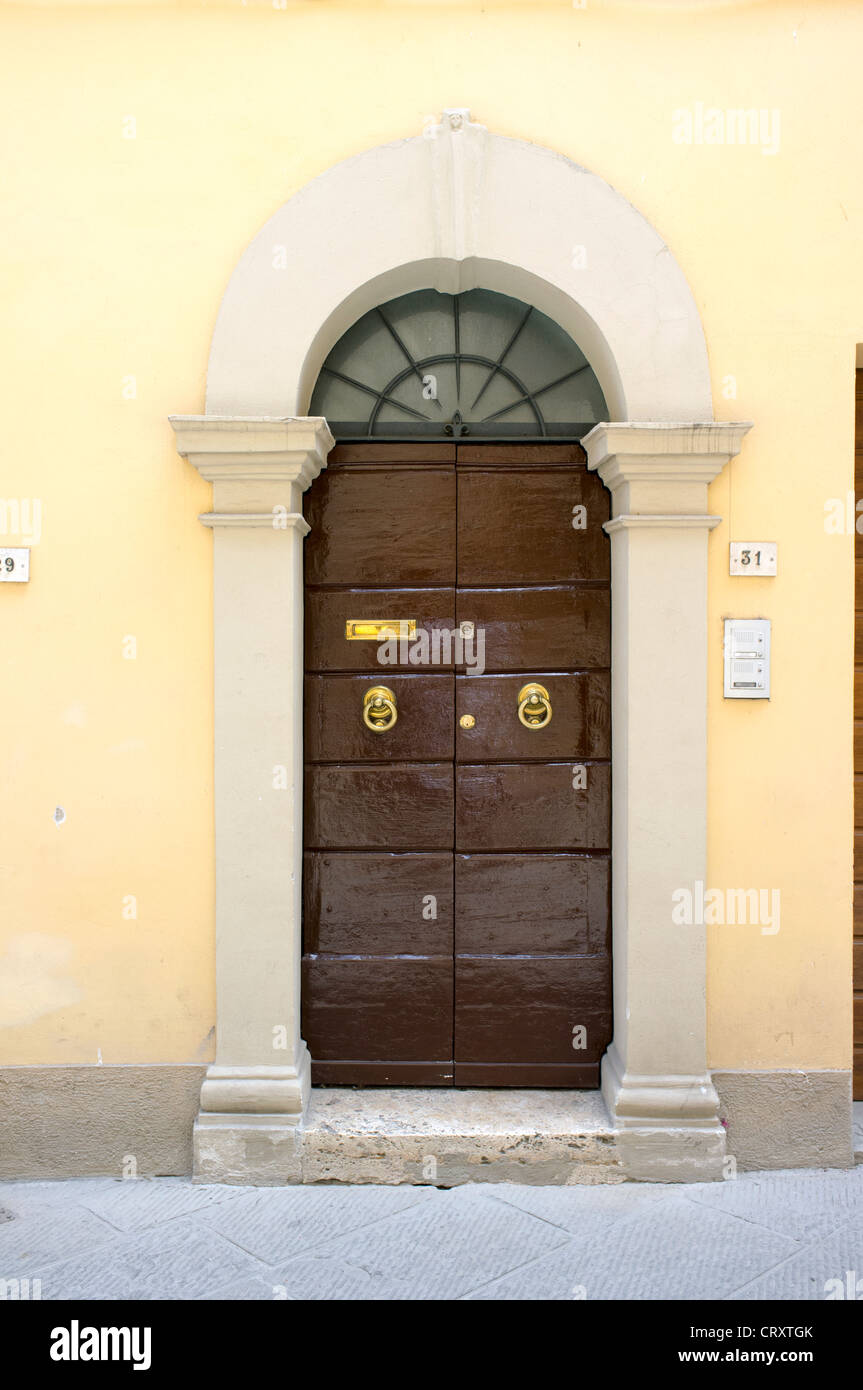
580,1210
23,1195
789,1203
134,1206
261,1288
273,1221
673,1250
179,1260
129,1205
761,1235
46,1234
438,1250
814,1272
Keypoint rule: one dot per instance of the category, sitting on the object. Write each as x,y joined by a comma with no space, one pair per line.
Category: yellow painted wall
116,253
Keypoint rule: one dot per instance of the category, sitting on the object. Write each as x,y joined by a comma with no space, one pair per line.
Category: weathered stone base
84,1121
668,1127
787,1119
665,1154
435,1136
91,1121
247,1150
857,1129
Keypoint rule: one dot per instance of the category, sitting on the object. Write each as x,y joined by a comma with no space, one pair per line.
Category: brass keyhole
467,721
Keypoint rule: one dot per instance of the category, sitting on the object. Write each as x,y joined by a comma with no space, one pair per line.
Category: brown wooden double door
457,874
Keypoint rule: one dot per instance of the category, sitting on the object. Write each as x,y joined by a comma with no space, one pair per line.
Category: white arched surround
453,208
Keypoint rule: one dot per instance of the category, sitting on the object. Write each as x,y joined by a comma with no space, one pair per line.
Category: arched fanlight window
430,365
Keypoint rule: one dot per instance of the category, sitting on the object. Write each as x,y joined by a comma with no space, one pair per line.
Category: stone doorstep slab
436,1136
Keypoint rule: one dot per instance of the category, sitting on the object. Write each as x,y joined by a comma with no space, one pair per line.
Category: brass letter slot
379,630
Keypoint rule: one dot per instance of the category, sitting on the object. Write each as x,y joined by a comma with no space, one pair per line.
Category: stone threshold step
442,1137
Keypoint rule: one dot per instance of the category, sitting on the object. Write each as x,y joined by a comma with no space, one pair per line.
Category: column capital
254,448
662,466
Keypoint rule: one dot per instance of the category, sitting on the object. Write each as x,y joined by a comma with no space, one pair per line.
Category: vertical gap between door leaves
454,760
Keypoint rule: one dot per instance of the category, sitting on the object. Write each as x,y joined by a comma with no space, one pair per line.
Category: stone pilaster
654,1077
254,1094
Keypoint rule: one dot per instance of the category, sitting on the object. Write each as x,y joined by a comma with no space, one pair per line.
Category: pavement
780,1235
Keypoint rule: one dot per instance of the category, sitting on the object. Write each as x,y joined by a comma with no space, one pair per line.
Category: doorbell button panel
747,659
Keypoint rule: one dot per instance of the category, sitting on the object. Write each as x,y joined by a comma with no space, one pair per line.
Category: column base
247,1150
246,1090
248,1128
668,1127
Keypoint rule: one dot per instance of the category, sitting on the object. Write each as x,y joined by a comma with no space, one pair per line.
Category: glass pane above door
476,365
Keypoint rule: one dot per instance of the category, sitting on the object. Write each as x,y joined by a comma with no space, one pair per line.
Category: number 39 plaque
14,566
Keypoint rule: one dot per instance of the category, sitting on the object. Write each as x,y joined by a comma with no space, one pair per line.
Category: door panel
529,1013
579,725
327,611
518,903
399,806
378,904
358,1073
356,1013
335,731
532,629
373,453
381,526
532,806
515,527
544,456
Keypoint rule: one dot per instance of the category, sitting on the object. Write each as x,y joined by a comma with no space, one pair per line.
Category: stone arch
450,209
